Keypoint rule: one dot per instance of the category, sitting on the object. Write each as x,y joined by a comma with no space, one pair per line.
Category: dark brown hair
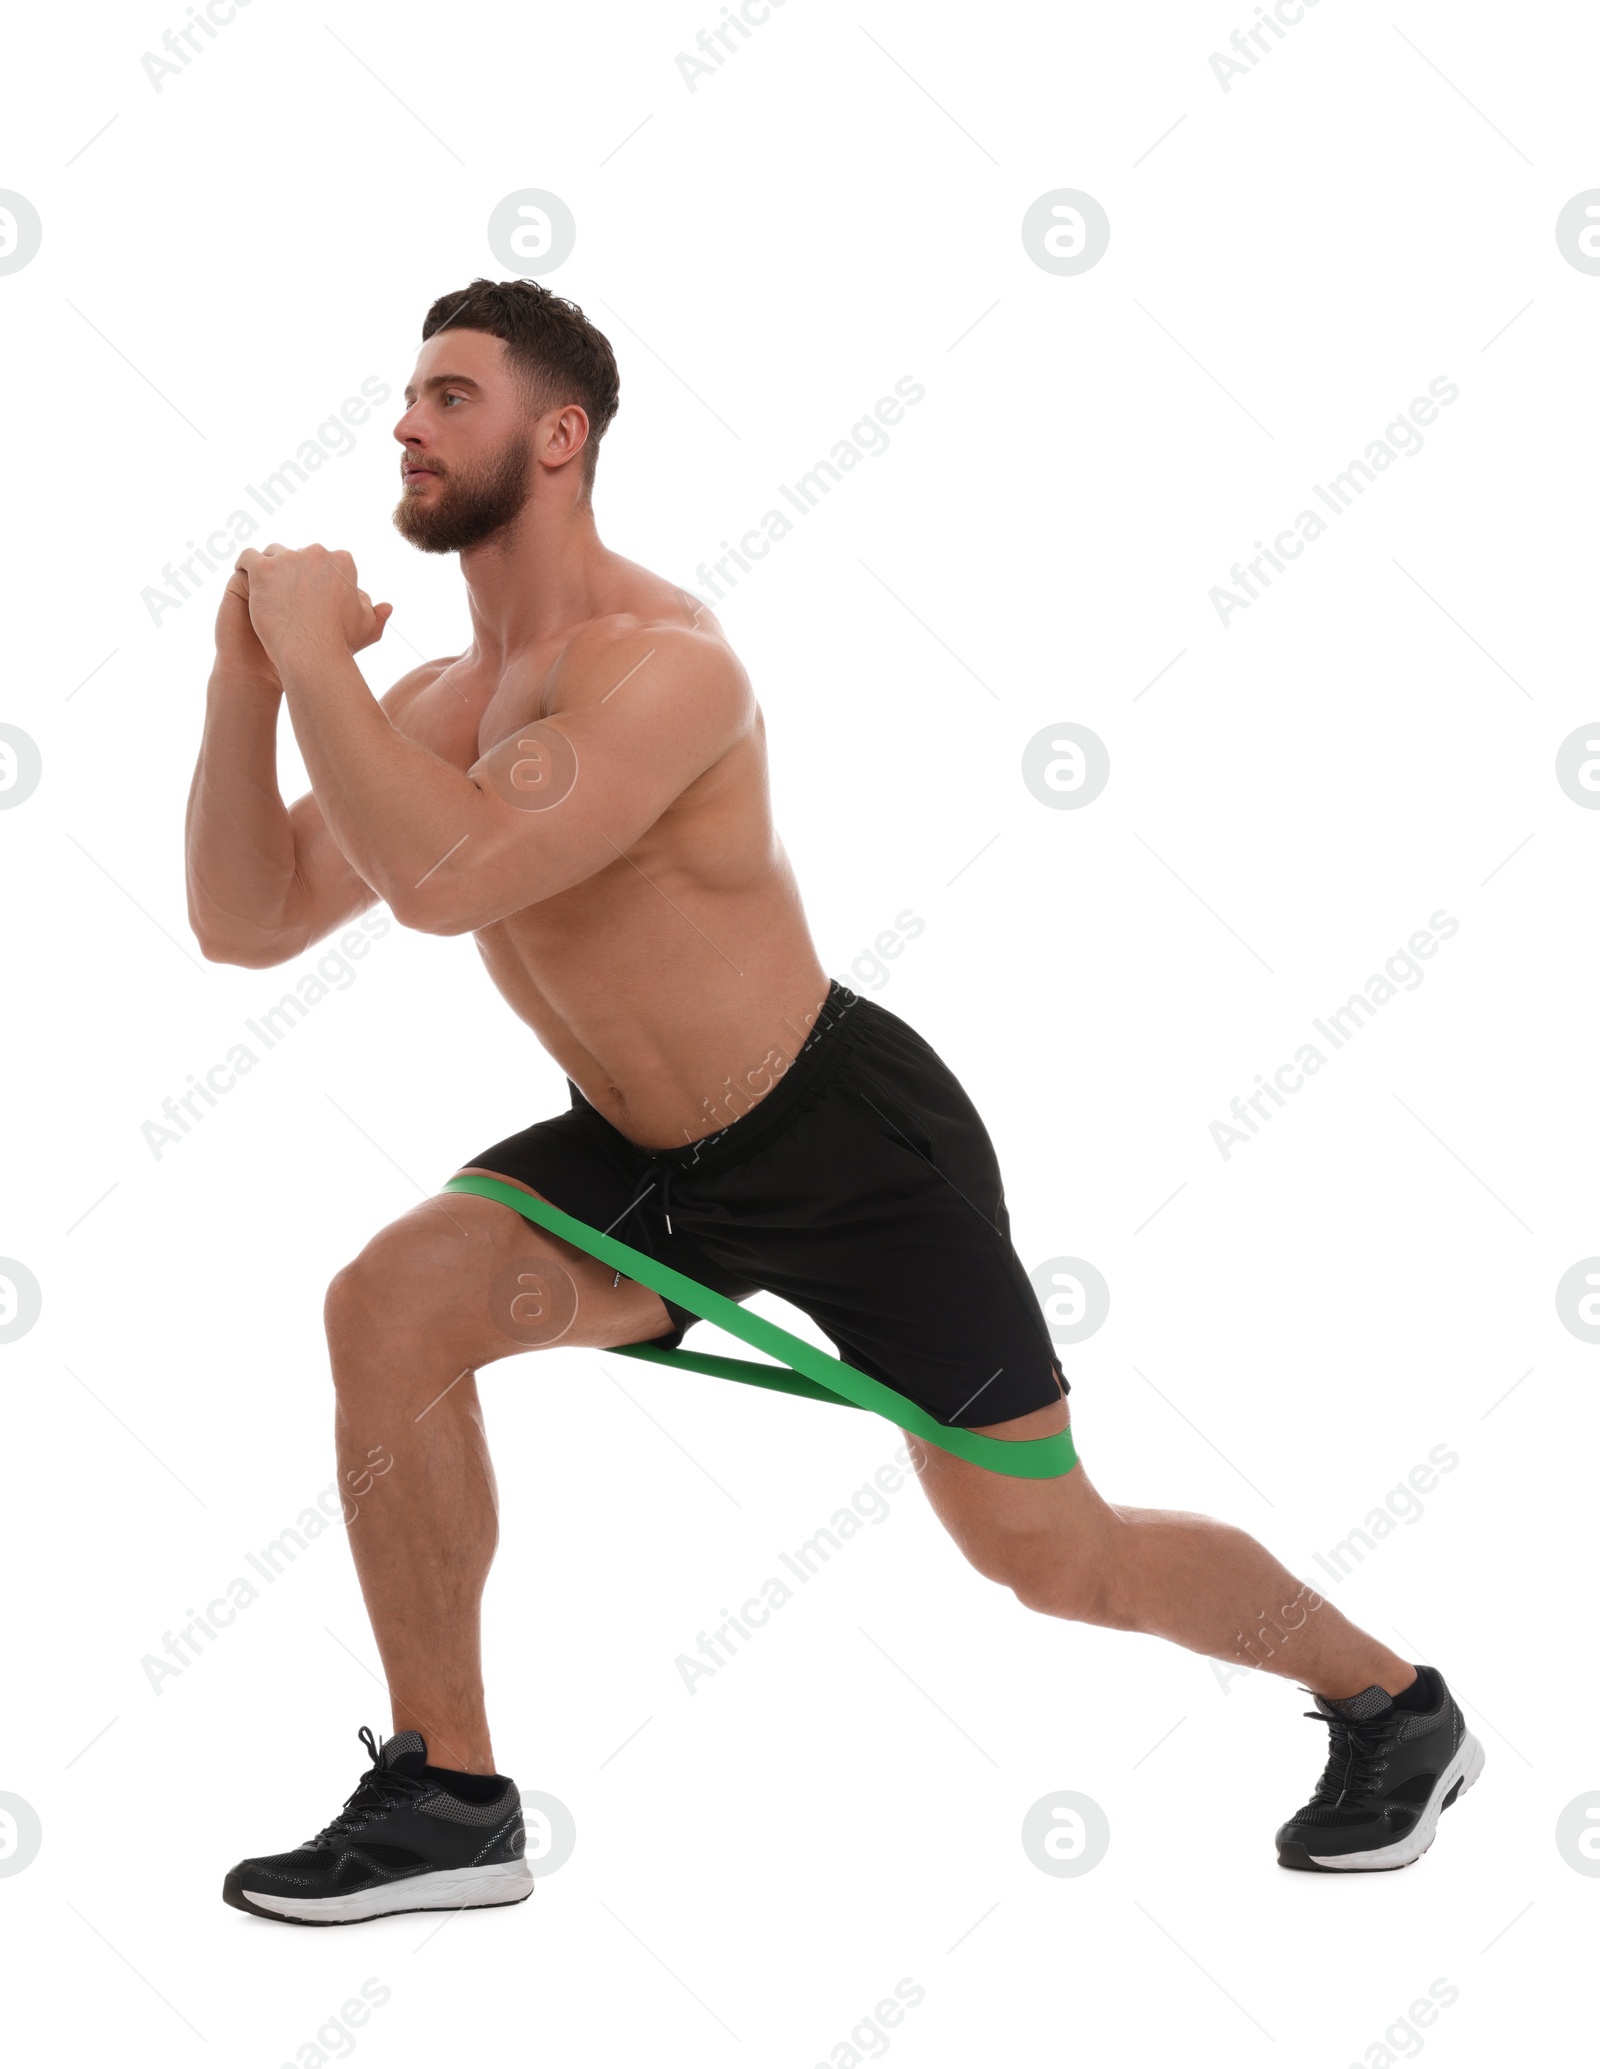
550,342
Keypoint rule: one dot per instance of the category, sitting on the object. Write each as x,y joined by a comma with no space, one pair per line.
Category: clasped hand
306,597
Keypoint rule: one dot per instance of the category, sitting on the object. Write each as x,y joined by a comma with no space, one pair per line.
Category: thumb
383,612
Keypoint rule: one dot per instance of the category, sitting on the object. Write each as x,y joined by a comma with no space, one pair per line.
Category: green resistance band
805,1370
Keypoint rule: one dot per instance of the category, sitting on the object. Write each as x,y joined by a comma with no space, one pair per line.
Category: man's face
467,444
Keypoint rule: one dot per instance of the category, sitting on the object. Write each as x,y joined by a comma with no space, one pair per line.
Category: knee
386,1289
351,1300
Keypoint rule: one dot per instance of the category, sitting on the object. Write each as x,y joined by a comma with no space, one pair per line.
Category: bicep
572,788
565,797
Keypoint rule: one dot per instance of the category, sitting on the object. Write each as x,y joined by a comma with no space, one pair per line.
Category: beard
471,503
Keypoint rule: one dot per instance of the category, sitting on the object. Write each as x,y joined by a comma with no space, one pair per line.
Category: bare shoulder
666,661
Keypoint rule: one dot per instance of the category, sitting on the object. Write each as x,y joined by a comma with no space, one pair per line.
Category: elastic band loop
804,1369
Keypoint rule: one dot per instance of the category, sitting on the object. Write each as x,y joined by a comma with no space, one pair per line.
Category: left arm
644,715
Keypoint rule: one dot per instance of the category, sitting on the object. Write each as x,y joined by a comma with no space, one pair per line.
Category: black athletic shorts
863,1188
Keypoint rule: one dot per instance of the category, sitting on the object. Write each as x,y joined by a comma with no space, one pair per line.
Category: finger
344,560
247,560
383,613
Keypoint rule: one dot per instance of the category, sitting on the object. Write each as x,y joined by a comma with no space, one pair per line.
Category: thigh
472,1281
939,1308
880,1214
980,1508
578,1162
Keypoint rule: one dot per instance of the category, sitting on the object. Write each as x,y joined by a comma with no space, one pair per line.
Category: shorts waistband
838,1022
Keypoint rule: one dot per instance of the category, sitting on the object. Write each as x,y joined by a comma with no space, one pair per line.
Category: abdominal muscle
673,1002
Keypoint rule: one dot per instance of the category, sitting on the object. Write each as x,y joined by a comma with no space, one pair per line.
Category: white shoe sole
447,1889
1453,1784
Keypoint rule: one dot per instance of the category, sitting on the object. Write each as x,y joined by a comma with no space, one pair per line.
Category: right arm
265,880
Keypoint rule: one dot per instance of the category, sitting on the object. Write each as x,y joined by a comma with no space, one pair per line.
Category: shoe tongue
1371,1702
407,1752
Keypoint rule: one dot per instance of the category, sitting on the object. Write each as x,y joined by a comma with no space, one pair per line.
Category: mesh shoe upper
1383,1765
402,1818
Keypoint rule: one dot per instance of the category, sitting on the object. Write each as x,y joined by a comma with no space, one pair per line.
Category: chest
468,709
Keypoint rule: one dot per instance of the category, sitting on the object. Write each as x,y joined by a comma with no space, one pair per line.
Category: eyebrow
443,381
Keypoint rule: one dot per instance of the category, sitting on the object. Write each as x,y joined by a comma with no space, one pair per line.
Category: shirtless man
585,790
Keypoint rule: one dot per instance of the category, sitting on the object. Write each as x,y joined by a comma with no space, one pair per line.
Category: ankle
457,1747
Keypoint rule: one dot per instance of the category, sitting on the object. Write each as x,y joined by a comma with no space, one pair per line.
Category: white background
1369,1277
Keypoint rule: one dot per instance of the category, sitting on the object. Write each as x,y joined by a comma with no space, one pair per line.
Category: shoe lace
1357,1753
378,1788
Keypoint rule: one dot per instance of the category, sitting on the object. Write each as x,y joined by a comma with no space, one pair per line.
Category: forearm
395,809
238,841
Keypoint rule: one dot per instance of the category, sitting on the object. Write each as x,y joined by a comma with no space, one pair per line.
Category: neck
542,573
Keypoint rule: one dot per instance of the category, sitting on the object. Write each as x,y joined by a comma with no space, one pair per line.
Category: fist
308,596
239,649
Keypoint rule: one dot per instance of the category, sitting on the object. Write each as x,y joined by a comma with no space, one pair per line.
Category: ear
564,434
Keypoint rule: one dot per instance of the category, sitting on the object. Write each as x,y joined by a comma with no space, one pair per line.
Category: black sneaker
410,1838
1390,1772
